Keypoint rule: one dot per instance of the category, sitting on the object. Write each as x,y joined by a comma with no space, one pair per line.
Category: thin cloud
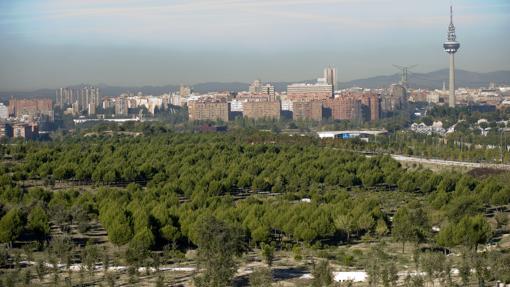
221,21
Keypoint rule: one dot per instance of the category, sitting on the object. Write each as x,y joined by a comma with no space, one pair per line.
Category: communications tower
451,46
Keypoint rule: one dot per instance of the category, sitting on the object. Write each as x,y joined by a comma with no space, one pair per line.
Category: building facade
121,106
257,88
30,107
5,130
375,107
83,97
330,76
24,130
344,108
4,111
309,92
208,109
262,109
185,91
311,110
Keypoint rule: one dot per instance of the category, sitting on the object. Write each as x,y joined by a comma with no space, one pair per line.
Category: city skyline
63,43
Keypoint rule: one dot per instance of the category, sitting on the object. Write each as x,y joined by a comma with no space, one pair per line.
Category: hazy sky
51,43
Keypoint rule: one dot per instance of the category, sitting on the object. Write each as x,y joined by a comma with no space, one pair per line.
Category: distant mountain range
432,80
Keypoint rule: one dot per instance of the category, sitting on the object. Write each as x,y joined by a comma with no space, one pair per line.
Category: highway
450,162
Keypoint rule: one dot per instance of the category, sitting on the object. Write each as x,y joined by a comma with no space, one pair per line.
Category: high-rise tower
330,76
451,46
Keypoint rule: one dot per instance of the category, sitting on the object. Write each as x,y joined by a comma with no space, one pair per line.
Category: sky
55,43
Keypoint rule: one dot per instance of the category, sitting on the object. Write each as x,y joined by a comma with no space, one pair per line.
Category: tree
480,264
160,282
89,256
365,222
427,120
409,225
40,269
345,223
38,222
117,223
61,248
501,219
27,277
218,244
499,263
371,178
471,231
322,274
142,242
465,269
170,233
432,264
378,267
110,176
4,256
445,236
414,281
389,274
11,225
381,228
110,278
268,253
261,277
403,229
462,206
261,233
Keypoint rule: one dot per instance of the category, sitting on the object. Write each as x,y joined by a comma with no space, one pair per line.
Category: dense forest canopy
203,168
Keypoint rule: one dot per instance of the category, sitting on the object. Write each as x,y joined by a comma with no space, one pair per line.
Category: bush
296,250
322,274
261,277
348,260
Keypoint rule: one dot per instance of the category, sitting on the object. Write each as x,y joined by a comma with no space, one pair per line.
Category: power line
404,74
